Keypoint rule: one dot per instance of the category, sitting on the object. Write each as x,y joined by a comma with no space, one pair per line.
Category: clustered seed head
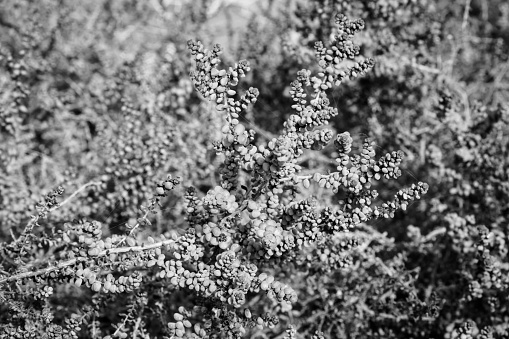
164,187
343,143
50,201
219,200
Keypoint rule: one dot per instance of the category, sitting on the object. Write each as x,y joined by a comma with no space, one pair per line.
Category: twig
466,14
121,241
426,69
69,198
434,233
136,327
12,235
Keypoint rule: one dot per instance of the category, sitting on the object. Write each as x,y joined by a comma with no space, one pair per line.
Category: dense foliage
331,169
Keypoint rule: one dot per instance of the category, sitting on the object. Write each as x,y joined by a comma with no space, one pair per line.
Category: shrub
240,235
258,199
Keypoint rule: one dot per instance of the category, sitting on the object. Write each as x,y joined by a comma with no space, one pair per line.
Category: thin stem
466,14
434,233
69,198
136,327
121,241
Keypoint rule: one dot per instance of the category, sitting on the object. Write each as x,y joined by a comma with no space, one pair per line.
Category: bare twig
435,233
69,198
12,235
425,69
466,14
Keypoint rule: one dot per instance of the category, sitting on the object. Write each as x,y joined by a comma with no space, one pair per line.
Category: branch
72,262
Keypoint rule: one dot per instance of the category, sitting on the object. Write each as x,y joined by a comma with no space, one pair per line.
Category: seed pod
93,252
66,238
159,190
255,214
96,286
239,129
322,182
242,139
216,231
306,183
130,241
100,244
